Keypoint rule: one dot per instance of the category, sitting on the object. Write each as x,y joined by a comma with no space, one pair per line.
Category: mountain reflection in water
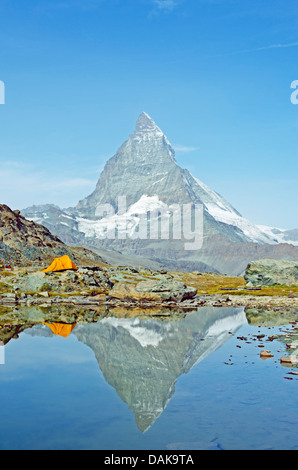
142,358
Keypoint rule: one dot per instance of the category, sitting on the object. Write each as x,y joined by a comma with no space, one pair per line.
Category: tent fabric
60,264
61,329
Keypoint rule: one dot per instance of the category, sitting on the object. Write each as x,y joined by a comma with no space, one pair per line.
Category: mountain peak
146,124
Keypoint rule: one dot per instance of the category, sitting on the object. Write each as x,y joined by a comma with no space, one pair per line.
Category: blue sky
215,75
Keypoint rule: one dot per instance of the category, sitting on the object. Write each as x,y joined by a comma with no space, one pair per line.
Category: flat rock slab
153,290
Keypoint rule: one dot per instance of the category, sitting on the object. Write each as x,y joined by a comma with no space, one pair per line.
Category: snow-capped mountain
143,178
145,171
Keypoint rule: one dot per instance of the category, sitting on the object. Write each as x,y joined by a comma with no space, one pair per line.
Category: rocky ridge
26,243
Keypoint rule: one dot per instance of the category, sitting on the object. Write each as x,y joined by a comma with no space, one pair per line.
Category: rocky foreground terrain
29,248
139,288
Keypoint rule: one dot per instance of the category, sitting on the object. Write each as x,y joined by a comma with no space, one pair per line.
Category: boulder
154,291
267,272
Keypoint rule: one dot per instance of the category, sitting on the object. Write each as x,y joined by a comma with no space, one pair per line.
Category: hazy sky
215,75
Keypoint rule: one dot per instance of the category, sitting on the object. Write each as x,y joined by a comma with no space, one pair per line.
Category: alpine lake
98,379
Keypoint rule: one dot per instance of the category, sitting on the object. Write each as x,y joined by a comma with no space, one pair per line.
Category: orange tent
61,329
61,264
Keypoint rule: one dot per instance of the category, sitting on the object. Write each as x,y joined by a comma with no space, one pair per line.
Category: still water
146,383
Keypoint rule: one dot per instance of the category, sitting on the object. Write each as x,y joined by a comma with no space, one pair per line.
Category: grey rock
268,272
154,291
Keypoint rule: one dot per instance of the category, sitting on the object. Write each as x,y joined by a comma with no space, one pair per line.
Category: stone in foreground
154,291
268,272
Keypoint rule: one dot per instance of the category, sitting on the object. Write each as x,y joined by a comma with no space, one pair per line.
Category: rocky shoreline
141,288
30,297
198,301
44,300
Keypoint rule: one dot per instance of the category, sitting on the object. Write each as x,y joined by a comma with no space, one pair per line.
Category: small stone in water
265,354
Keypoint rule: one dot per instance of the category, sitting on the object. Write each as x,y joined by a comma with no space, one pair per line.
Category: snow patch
277,234
145,336
223,212
126,223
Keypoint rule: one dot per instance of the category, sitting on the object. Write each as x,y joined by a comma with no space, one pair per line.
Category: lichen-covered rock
154,290
267,272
